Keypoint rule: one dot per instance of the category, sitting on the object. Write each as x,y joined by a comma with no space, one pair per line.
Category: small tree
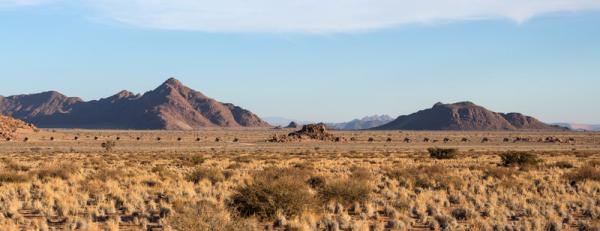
109,145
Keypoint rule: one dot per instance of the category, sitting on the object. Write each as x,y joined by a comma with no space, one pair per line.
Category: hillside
465,116
171,106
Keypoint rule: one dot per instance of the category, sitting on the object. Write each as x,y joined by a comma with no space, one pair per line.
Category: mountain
464,116
282,121
364,123
171,106
580,127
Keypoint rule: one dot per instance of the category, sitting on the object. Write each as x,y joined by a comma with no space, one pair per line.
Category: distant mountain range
282,121
364,123
580,127
171,106
465,116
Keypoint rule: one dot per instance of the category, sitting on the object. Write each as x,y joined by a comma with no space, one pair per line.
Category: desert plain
233,179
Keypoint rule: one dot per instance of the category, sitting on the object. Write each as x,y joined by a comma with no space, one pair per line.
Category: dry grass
254,185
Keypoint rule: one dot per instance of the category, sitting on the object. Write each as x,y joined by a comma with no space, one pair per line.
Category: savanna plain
236,180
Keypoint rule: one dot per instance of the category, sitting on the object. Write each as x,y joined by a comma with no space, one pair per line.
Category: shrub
512,158
211,174
13,177
346,191
63,171
204,215
430,177
195,159
498,172
583,174
563,164
443,153
273,191
316,182
108,145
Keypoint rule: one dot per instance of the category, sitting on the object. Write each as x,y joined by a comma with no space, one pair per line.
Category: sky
314,60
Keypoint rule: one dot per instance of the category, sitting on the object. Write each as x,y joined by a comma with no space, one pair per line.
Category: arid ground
235,180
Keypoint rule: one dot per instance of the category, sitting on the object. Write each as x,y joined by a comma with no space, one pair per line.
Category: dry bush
499,172
204,215
583,174
194,160
62,171
14,166
361,174
346,191
513,158
426,177
316,182
443,153
562,164
108,145
273,191
211,174
105,174
13,177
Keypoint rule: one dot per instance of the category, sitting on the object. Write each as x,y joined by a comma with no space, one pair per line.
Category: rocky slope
464,116
171,106
10,127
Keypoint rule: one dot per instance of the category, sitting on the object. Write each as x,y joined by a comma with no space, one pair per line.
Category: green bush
512,158
443,153
273,191
211,174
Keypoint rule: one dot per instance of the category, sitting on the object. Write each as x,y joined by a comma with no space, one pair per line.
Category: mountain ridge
465,116
171,106
366,122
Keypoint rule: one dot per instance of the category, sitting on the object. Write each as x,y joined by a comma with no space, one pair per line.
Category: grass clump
443,153
584,173
211,174
563,164
346,191
513,158
274,191
62,171
13,177
204,215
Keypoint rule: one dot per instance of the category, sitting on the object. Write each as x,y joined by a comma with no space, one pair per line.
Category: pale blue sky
543,62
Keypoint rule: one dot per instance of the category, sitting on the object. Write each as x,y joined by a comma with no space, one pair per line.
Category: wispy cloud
14,3
319,16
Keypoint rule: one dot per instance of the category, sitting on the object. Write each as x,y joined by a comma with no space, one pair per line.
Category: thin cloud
312,16
16,3
320,15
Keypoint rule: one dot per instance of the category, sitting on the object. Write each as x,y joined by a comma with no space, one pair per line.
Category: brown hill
10,127
171,106
464,116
